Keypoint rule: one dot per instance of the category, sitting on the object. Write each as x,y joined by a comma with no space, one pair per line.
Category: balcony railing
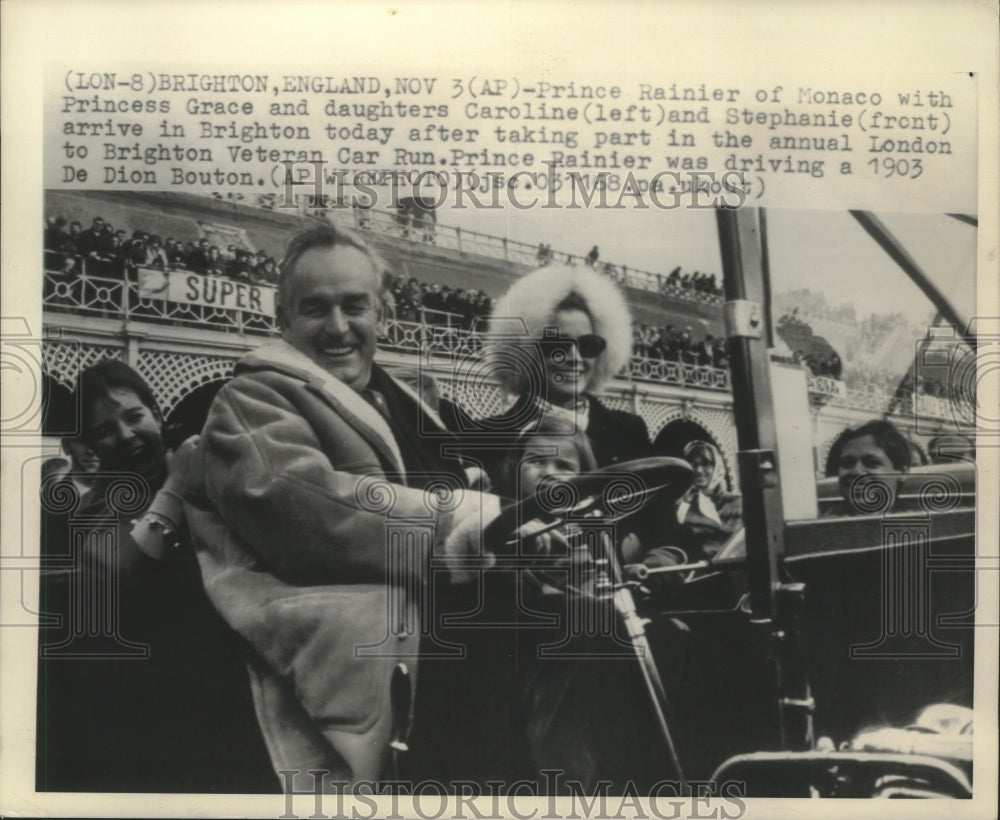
438,332
878,401
429,232
691,375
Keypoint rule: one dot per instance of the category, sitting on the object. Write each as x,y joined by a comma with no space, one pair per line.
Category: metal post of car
774,604
878,231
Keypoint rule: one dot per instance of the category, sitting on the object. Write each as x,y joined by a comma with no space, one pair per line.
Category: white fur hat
530,304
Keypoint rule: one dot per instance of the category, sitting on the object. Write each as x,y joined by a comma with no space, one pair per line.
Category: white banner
211,291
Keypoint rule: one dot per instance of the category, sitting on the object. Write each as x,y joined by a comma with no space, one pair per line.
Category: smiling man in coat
311,456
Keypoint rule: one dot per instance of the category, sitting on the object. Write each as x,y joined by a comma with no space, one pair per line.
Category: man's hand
631,549
551,542
157,532
464,551
183,467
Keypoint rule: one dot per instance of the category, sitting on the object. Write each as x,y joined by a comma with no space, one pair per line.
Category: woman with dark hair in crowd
214,266
873,454
268,273
148,691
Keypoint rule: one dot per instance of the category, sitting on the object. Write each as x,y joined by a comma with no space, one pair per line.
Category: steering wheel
610,493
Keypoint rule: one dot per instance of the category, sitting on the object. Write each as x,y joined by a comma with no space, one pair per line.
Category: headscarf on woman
712,513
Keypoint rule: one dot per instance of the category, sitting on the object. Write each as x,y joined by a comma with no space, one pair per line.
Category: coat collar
430,412
281,356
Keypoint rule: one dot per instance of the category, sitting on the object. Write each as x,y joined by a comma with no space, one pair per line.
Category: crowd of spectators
544,255
678,284
829,366
101,250
862,377
673,345
807,348
436,304
686,284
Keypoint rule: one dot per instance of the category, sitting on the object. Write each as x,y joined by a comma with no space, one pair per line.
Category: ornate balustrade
668,372
120,299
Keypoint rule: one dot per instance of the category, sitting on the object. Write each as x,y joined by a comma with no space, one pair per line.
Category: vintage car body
886,626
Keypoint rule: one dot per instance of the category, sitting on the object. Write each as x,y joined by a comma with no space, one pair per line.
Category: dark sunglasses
589,346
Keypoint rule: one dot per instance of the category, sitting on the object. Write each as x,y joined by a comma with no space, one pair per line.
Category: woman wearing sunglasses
558,336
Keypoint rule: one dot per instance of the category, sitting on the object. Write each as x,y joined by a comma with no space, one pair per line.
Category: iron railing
437,332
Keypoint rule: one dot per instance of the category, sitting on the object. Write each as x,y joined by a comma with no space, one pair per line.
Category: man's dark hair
97,381
885,435
321,233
